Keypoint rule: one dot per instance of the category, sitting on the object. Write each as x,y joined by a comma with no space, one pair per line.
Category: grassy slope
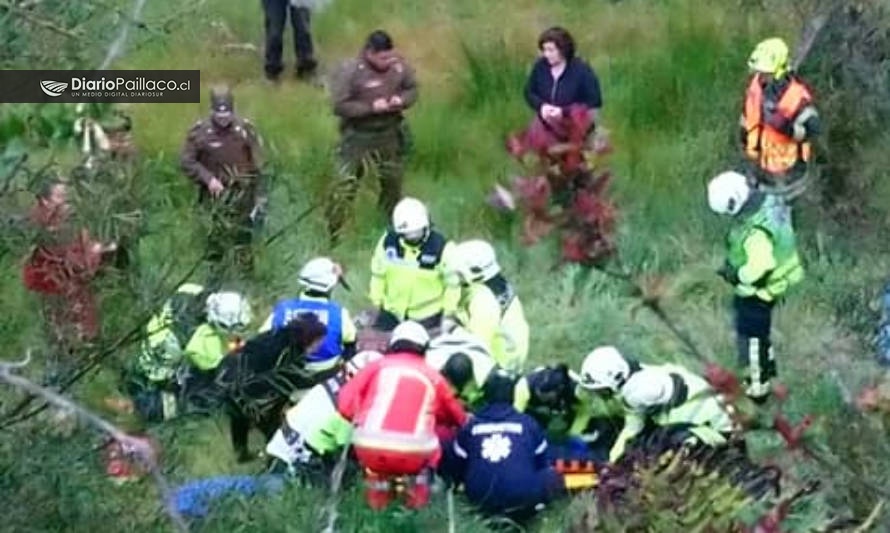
672,75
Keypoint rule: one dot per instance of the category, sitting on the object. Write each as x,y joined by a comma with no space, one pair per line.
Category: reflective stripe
459,450
541,447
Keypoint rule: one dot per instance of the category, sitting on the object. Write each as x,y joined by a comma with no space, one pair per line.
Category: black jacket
577,85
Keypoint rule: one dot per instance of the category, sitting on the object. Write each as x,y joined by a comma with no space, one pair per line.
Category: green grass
672,75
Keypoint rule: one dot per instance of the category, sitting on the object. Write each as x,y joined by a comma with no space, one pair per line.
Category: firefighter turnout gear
669,396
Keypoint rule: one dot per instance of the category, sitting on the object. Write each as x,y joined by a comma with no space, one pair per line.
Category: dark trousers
240,424
753,323
276,12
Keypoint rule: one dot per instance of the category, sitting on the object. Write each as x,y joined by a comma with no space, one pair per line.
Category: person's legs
300,19
753,324
275,13
351,161
239,426
390,168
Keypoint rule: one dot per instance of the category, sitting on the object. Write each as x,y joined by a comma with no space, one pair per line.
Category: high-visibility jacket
762,249
340,327
492,311
774,151
443,347
208,347
396,404
414,282
694,404
312,427
161,350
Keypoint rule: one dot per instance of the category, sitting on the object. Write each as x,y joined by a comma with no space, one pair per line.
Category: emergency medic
319,277
655,396
153,382
762,264
400,408
228,316
500,456
370,95
256,381
579,426
412,272
672,399
779,121
313,431
490,307
222,155
464,361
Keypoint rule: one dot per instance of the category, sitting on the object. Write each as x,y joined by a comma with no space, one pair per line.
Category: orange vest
774,151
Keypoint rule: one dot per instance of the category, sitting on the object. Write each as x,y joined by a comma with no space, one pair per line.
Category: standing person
500,456
412,272
762,264
222,156
370,94
779,121
490,307
400,408
319,277
276,14
559,79
61,268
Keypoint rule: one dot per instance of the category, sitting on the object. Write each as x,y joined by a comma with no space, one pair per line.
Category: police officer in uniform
222,156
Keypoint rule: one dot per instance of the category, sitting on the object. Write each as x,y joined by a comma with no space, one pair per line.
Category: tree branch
37,21
142,451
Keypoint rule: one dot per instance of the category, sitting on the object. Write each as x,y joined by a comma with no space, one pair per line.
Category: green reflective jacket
762,249
162,347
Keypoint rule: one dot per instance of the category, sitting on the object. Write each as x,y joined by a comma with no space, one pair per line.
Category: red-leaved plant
564,186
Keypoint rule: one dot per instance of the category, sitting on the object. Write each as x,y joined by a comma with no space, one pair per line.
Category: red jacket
397,403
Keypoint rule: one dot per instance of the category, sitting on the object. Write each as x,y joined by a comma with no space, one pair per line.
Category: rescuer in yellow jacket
762,264
778,121
489,306
412,272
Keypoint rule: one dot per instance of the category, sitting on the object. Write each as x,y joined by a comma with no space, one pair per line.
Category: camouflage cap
221,99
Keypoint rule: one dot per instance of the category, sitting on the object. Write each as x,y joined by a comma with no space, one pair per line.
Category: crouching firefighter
762,264
400,407
313,432
319,277
675,401
500,456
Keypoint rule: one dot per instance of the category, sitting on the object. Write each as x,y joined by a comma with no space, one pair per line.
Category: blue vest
329,313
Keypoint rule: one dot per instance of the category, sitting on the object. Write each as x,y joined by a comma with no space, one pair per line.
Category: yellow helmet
770,57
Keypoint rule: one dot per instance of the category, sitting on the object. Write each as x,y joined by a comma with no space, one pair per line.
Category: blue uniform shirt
329,313
501,454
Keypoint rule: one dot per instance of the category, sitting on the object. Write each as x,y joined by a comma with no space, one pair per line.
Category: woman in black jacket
559,79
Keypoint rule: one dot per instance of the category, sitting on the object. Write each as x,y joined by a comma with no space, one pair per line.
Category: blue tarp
193,499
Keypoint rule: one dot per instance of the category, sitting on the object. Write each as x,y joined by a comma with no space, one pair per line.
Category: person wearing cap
276,13
400,408
500,456
370,94
319,277
778,121
222,155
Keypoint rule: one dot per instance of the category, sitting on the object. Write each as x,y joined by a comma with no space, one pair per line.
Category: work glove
729,274
780,124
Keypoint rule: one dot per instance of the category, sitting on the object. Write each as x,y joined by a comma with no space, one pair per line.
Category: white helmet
478,261
603,368
410,331
229,310
320,274
360,361
728,192
410,219
650,387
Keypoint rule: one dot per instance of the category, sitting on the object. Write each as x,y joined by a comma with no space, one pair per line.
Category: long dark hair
561,38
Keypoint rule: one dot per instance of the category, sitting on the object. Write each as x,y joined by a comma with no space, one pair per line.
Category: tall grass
672,75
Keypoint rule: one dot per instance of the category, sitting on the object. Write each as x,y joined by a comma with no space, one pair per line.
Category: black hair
305,329
458,370
378,41
498,388
561,38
